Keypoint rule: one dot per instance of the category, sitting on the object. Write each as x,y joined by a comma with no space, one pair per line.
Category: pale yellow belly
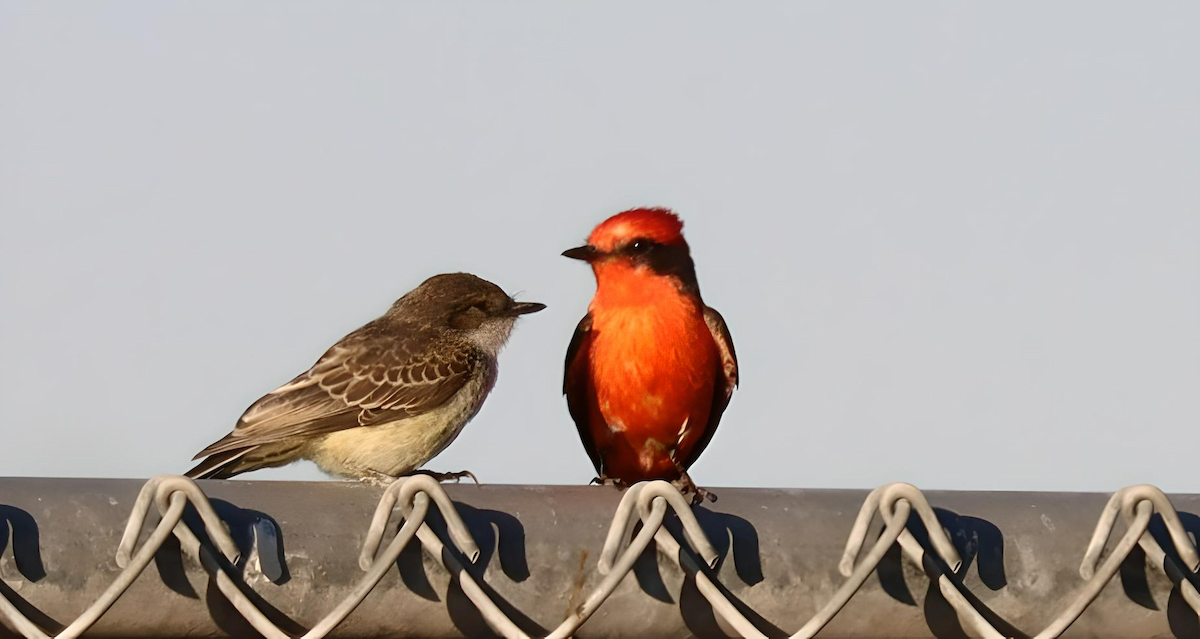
399,447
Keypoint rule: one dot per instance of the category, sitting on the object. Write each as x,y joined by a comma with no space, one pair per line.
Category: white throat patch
492,334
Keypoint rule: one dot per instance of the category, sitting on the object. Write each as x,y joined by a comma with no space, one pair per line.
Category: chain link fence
896,525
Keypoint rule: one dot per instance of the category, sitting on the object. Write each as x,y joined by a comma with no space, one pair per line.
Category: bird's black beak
525,308
587,253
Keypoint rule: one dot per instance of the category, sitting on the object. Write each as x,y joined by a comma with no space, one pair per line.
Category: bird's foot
376,478
686,486
605,480
456,477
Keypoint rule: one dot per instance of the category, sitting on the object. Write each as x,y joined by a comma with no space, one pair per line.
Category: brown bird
386,398
651,368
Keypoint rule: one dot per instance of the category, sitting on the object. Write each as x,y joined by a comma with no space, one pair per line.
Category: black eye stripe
641,245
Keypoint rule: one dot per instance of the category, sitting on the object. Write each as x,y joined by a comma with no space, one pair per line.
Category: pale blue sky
956,244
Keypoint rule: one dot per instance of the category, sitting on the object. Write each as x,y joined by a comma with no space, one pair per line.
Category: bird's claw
376,478
456,477
686,486
609,481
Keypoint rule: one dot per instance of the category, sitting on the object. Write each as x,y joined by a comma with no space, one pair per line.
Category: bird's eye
640,245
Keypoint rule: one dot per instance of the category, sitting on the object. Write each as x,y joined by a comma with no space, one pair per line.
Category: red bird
650,368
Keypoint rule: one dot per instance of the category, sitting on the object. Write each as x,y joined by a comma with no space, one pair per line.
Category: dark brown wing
374,375
577,386
727,380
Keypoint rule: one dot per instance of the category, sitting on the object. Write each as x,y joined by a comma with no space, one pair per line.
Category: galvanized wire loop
937,535
893,493
1133,495
159,490
403,491
883,500
1124,502
1127,501
638,498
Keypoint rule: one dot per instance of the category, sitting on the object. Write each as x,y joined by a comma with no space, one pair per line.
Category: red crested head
637,245
657,225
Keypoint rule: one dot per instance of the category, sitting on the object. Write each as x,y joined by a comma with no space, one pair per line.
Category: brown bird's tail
222,465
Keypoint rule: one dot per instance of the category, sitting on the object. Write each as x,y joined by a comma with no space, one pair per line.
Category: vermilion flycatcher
650,368
386,398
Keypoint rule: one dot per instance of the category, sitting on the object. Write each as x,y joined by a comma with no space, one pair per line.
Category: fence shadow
733,538
260,539
1182,620
978,542
19,534
499,536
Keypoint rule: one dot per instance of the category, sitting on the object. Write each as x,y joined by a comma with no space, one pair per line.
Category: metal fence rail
288,559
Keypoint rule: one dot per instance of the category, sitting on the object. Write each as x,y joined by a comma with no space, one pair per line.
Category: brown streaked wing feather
727,380
368,378
577,386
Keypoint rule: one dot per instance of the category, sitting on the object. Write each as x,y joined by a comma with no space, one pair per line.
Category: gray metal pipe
779,553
